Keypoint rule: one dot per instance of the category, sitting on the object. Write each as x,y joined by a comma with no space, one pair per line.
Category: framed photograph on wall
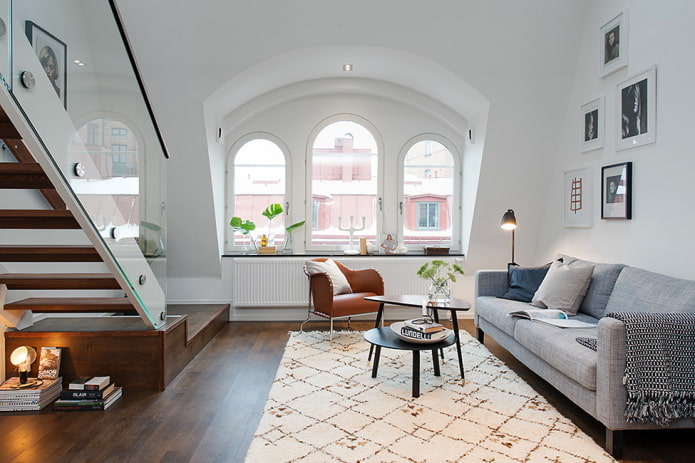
592,115
53,55
616,191
637,110
577,201
614,44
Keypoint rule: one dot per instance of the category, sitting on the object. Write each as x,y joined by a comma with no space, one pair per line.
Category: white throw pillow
563,287
329,267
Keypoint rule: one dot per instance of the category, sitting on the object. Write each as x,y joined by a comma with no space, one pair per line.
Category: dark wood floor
210,411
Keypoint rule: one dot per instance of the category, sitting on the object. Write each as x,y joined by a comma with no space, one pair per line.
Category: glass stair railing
67,69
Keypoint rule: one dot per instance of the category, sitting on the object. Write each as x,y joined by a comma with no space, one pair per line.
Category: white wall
659,235
519,56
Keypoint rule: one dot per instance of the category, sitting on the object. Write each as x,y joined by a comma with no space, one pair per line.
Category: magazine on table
553,317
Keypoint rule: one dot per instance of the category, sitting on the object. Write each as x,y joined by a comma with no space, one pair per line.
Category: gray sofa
593,379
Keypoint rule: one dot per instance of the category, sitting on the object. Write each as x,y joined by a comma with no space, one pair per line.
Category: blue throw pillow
524,282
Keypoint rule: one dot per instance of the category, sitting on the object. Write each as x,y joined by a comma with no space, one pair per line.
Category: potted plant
440,273
272,211
287,249
244,227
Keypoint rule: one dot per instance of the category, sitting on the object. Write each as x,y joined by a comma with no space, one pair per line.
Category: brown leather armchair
363,282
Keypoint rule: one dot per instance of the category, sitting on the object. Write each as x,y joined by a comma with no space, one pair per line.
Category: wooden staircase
135,355
27,174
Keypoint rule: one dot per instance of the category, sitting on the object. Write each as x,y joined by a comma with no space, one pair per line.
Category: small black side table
385,337
452,305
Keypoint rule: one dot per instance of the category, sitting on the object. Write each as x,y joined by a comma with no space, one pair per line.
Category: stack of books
35,394
422,328
95,393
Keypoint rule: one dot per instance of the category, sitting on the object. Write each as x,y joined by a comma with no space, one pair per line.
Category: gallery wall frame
616,191
637,110
53,55
577,198
613,40
594,125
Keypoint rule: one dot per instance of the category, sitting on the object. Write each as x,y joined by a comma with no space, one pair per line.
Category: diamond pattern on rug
325,406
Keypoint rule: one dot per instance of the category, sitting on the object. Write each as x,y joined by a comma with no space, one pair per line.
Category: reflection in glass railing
90,114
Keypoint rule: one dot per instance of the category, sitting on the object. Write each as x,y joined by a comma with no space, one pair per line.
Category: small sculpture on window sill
389,245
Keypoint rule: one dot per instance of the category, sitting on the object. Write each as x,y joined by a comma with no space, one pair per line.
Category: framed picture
637,110
616,191
53,55
577,201
592,115
614,44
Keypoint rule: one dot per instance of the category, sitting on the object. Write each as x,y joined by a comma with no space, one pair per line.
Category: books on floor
95,393
34,395
89,403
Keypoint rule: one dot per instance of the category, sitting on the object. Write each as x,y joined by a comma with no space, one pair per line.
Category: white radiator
280,281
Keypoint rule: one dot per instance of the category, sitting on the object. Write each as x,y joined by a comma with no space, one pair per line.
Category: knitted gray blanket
660,366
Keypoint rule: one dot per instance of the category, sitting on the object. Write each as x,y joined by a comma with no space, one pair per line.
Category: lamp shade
22,357
508,220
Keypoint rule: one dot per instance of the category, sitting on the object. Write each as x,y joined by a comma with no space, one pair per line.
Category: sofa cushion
329,267
602,281
563,287
495,310
524,282
638,290
559,348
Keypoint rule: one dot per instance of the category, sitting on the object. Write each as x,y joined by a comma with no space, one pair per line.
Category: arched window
344,186
258,181
428,202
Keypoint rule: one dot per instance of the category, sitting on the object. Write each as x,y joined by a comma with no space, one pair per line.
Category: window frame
456,202
229,184
309,196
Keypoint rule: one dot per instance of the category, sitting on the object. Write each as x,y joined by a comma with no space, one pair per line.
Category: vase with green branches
440,274
245,227
273,210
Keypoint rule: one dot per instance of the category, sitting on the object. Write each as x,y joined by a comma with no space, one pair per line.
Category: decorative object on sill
509,223
436,251
267,250
264,241
363,246
372,248
273,210
401,249
22,357
439,273
351,230
288,247
389,245
244,227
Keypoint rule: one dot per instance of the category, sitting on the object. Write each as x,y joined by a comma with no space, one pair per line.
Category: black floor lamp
509,223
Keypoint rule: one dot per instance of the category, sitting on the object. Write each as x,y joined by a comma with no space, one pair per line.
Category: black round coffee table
385,337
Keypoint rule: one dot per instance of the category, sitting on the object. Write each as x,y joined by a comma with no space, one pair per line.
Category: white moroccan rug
324,406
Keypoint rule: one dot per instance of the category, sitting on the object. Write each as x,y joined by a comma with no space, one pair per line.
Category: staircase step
59,253
74,305
59,281
37,219
23,175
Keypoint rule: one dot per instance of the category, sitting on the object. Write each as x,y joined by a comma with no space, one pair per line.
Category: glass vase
287,248
439,291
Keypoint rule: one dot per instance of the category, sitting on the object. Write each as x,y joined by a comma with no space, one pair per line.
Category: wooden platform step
23,175
136,357
55,253
74,305
29,281
37,219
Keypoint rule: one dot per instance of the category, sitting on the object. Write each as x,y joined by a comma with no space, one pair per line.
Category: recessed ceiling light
78,62
347,67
